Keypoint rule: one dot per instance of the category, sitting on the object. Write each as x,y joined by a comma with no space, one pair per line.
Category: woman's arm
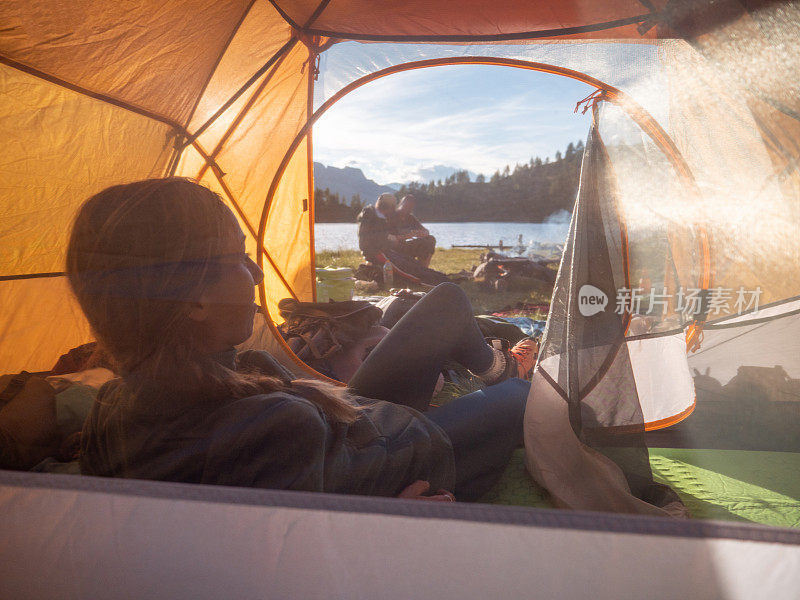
276,441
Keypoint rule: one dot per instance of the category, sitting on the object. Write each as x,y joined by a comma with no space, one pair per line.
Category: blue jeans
485,426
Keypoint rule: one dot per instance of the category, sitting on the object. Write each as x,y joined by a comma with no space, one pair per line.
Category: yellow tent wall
97,93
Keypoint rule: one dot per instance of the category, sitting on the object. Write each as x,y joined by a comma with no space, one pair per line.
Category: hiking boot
514,362
504,364
525,353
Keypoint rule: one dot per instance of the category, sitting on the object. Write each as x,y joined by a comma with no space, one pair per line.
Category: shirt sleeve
277,441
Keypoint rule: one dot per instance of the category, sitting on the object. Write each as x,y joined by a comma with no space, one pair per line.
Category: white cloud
396,126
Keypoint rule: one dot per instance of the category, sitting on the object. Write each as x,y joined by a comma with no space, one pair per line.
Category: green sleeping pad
734,485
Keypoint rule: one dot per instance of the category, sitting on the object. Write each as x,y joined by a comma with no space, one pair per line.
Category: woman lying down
160,270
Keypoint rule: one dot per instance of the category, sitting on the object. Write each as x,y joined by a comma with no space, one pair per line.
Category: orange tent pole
640,116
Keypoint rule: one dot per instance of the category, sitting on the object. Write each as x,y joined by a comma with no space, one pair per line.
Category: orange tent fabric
95,94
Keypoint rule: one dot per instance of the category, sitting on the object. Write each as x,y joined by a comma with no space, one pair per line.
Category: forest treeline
529,193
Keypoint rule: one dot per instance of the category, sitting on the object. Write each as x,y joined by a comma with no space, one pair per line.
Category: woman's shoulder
119,399
262,362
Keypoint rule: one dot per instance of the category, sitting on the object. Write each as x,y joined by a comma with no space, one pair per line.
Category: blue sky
474,117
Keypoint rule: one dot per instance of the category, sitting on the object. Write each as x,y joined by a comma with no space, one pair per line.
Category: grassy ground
456,261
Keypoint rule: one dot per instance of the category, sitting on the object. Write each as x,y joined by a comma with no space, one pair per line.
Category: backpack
317,330
28,426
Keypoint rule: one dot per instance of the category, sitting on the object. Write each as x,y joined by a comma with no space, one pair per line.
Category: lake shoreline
344,236
545,222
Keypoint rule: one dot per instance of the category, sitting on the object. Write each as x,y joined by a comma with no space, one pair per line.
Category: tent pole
313,72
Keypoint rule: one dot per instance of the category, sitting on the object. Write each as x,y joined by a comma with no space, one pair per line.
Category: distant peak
347,181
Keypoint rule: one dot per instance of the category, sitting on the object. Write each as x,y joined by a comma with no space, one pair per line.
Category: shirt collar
227,358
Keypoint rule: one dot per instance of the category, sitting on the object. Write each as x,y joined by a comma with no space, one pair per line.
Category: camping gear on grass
369,272
508,273
334,283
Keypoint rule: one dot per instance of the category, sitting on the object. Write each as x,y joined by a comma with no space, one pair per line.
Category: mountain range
348,182
434,173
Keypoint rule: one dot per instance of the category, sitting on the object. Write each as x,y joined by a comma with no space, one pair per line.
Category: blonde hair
138,254
386,200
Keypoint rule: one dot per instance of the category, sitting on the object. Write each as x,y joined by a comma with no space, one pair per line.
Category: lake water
344,236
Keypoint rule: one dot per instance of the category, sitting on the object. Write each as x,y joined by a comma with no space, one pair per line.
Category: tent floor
734,485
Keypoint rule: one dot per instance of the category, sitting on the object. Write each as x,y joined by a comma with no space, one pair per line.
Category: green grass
456,261
339,258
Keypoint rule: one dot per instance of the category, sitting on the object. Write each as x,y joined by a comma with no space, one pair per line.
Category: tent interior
690,179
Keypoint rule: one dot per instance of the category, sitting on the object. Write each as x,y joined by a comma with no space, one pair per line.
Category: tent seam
179,148
31,276
522,35
245,109
222,53
253,78
216,170
285,16
14,64
720,322
316,14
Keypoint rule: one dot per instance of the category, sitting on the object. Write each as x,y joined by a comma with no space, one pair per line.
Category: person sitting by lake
379,243
375,233
414,239
160,270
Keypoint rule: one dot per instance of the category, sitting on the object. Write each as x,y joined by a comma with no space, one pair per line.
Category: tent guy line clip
591,100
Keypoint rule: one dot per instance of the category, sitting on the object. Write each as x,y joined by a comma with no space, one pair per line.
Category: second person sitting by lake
414,239
379,243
